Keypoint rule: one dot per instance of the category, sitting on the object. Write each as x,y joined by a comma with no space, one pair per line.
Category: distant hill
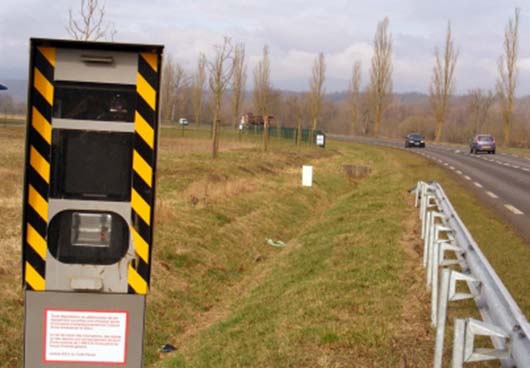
412,98
409,98
17,88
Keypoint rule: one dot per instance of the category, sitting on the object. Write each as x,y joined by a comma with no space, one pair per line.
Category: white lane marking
467,177
515,166
514,210
446,164
492,195
499,162
506,164
459,172
477,184
525,169
452,167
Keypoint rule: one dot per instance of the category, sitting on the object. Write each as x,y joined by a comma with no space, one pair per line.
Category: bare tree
220,71
442,83
174,82
90,25
380,89
479,106
316,91
507,81
262,93
197,89
167,92
239,80
295,106
354,95
181,88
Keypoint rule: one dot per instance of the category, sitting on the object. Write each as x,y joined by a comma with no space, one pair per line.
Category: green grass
347,290
339,296
523,152
334,299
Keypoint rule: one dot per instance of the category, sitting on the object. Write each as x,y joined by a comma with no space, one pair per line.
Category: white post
426,239
442,317
458,343
307,176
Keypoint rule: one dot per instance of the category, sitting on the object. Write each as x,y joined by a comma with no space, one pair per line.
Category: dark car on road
414,140
482,143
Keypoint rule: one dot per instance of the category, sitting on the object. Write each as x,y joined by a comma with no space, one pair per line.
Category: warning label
85,336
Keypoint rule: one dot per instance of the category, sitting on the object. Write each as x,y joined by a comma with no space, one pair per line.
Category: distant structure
249,118
2,87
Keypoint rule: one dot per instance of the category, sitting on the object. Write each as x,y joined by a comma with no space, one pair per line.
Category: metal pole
442,317
458,343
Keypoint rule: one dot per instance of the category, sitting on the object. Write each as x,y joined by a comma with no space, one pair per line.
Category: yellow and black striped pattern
144,161
37,175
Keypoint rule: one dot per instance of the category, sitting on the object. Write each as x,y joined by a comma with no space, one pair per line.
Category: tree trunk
215,138
438,132
312,132
377,122
198,119
266,133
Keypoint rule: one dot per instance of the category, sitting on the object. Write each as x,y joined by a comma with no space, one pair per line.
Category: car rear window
415,136
486,138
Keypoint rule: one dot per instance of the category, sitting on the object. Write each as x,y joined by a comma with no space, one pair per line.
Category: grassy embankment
347,290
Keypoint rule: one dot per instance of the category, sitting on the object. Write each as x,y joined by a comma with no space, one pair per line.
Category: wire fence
283,132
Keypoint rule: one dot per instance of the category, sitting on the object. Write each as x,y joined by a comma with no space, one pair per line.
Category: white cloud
295,30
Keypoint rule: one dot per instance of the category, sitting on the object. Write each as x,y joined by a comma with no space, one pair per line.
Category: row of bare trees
361,112
379,92
442,84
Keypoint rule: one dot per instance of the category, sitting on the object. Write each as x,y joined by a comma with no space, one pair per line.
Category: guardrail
444,234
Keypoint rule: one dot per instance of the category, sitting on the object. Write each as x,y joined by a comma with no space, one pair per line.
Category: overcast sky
295,31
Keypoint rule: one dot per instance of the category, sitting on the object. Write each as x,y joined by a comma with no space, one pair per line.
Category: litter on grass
275,243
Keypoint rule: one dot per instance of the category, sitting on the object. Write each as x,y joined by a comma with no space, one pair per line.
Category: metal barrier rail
444,233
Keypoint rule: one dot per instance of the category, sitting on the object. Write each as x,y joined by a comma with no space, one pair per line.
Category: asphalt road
501,181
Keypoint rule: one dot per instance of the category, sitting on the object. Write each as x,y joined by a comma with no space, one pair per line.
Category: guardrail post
426,239
429,233
432,237
426,205
417,194
422,201
458,344
448,293
435,264
464,350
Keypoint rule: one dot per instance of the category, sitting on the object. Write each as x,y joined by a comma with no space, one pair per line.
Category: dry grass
347,291
11,299
328,300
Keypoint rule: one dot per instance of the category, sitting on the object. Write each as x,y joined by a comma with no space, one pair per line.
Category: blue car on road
482,143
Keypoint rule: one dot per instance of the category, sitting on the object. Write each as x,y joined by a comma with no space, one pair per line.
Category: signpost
89,189
320,139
